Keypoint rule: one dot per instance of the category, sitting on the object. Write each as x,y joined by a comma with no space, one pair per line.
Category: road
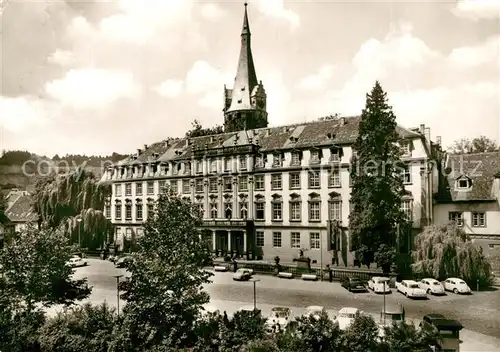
479,313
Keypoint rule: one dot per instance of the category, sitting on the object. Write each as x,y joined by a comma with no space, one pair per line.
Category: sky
96,77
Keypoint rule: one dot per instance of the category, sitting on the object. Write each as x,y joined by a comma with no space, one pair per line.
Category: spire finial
246,27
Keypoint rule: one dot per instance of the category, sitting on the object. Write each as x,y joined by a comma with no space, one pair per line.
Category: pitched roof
480,168
22,210
341,131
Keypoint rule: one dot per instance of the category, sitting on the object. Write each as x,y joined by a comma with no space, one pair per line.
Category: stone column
244,241
214,241
251,214
221,199
192,184
229,249
206,212
236,214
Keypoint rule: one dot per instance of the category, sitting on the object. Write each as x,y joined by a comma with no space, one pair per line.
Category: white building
263,190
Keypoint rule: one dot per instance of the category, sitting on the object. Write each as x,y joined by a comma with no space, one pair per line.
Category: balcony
225,223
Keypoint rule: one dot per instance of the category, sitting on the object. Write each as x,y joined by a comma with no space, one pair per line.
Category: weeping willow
446,251
61,200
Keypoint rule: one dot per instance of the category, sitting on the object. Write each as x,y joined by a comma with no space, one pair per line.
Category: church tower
245,104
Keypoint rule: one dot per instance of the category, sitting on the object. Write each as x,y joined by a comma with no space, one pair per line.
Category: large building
264,191
470,196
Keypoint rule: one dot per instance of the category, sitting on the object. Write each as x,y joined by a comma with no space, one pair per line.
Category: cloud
170,88
20,113
92,88
212,12
477,9
61,57
317,80
204,79
487,52
276,9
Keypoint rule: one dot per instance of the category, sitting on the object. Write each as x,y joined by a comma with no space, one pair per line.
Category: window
164,169
406,208
335,154
478,219
227,164
295,210
457,217
174,186
295,180
315,157
314,211
314,179
118,233
176,168
118,190
463,183
214,210
107,211
212,185
243,162
243,210
128,210
199,185
128,233
199,166
314,240
151,209
406,174
259,161
277,160
295,240
140,232
405,148
186,187
228,210
187,168
259,182
118,210
295,159
152,169
151,187
138,189
243,183
259,239
277,211
260,210
276,239
128,189
228,185
333,178
163,186
138,211
213,166
276,181
335,210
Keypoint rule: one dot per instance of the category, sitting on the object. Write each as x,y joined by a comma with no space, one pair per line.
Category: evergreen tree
377,186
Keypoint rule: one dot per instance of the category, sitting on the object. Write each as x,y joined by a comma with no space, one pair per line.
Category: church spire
245,104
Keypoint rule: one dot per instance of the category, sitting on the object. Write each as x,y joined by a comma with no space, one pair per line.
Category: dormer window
335,154
315,157
405,148
463,183
296,156
277,160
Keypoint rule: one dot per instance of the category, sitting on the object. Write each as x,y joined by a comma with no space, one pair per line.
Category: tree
377,186
197,130
334,116
164,295
35,270
407,337
443,251
479,144
361,335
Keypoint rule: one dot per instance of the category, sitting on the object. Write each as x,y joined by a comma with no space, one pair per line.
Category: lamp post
254,293
384,302
117,293
79,220
321,256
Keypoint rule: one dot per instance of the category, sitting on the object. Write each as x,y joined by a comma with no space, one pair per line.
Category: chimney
342,121
427,133
188,141
145,147
422,129
167,143
438,140
139,151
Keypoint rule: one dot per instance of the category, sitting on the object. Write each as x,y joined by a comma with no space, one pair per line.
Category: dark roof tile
22,210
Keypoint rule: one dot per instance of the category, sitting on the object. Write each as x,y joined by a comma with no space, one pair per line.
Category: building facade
470,196
264,191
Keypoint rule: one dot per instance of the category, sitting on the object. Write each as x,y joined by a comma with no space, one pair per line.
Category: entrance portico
235,239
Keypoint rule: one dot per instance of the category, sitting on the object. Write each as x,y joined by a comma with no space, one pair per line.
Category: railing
227,223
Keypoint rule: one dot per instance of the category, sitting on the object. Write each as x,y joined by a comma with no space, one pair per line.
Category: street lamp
79,220
254,293
117,293
384,302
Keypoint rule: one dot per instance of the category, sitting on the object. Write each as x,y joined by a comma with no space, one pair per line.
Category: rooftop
480,168
22,210
339,131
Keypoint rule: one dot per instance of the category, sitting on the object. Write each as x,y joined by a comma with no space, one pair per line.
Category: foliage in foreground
443,251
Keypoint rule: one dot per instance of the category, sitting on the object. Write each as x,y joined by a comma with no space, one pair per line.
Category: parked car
389,315
249,309
346,316
242,275
456,286
410,289
315,311
431,286
76,261
122,262
278,319
379,284
353,284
